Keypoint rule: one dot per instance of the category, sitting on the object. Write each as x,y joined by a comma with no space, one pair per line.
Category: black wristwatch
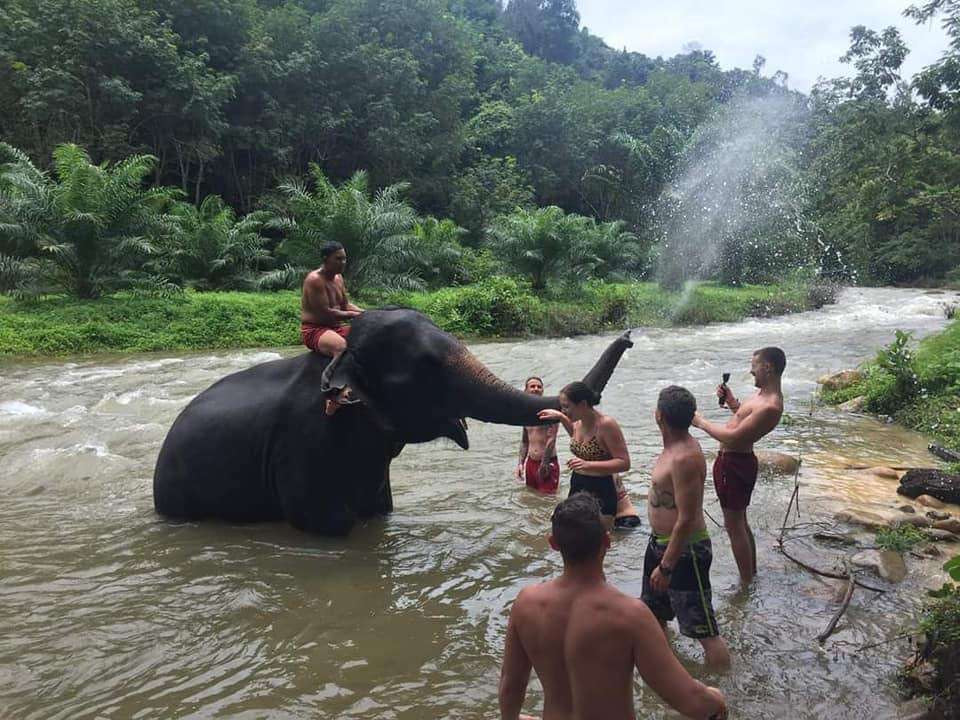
665,570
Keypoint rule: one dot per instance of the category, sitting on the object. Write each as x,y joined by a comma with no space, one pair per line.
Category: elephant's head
421,382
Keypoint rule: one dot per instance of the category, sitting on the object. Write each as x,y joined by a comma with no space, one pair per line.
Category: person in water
324,307
735,469
627,516
583,637
538,464
676,567
596,442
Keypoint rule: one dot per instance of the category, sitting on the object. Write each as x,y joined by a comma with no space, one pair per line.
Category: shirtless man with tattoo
676,569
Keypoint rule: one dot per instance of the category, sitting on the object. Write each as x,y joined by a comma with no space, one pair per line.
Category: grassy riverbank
498,307
919,388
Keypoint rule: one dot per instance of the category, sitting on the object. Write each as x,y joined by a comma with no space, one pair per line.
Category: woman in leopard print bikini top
599,457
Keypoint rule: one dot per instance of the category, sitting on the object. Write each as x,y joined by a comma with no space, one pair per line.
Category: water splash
738,208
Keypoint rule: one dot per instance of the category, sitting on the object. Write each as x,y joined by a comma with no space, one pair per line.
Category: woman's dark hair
329,248
578,392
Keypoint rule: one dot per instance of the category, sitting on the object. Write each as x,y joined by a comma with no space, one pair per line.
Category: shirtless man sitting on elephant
324,307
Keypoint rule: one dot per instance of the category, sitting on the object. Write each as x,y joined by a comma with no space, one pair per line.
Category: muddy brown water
107,611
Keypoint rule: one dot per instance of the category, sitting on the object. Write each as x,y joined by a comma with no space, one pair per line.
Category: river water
107,611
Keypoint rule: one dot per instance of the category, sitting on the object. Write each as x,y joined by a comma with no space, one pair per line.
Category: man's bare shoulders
533,598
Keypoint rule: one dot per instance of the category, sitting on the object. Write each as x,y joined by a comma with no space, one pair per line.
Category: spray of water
737,210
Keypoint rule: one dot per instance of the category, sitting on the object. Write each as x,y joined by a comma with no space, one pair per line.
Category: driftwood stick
705,512
888,640
851,585
825,573
783,527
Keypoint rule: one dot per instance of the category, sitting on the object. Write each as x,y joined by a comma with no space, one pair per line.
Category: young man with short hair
584,637
324,307
735,469
676,568
538,465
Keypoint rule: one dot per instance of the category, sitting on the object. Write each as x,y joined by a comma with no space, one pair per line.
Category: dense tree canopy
477,114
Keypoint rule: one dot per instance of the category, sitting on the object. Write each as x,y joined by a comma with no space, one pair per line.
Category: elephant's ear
344,373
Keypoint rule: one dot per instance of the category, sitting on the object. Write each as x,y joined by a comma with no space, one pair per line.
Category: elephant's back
215,458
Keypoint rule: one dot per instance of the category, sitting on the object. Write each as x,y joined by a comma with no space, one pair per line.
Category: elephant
309,440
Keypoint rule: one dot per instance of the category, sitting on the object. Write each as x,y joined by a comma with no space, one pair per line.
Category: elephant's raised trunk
484,396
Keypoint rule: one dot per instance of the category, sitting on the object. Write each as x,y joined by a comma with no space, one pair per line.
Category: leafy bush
213,249
94,226
900,538
377,231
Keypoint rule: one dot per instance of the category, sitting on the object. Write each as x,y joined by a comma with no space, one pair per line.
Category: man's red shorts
310,333
734,475
531,473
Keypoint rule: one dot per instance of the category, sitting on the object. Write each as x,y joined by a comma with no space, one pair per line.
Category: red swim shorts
734,475
310,333
531,473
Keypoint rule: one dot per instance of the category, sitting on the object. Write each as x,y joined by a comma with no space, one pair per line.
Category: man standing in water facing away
584,637
324,306
735,469
538,465
676,568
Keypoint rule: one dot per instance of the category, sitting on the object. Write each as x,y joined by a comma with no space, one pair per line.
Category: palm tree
214,250
542,244
614,252
94,225
377,231
445,260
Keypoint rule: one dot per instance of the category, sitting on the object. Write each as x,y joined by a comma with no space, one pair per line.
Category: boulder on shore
777,462
951,524
941,535
855,405
840,380
931,502
936,483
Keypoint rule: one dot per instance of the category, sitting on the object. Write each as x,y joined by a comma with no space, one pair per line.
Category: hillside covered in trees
216,143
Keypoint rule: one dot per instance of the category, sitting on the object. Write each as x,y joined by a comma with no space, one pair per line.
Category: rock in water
777,462
918,521
861,517
888,564
892,566
930,501
936,483
941,535
909,509
840,380
886,473
937,515
951,524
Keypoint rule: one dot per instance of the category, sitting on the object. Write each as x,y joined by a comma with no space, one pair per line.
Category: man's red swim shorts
531,473
734,475
310,333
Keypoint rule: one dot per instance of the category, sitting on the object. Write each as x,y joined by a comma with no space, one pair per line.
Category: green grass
900,538
496,307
